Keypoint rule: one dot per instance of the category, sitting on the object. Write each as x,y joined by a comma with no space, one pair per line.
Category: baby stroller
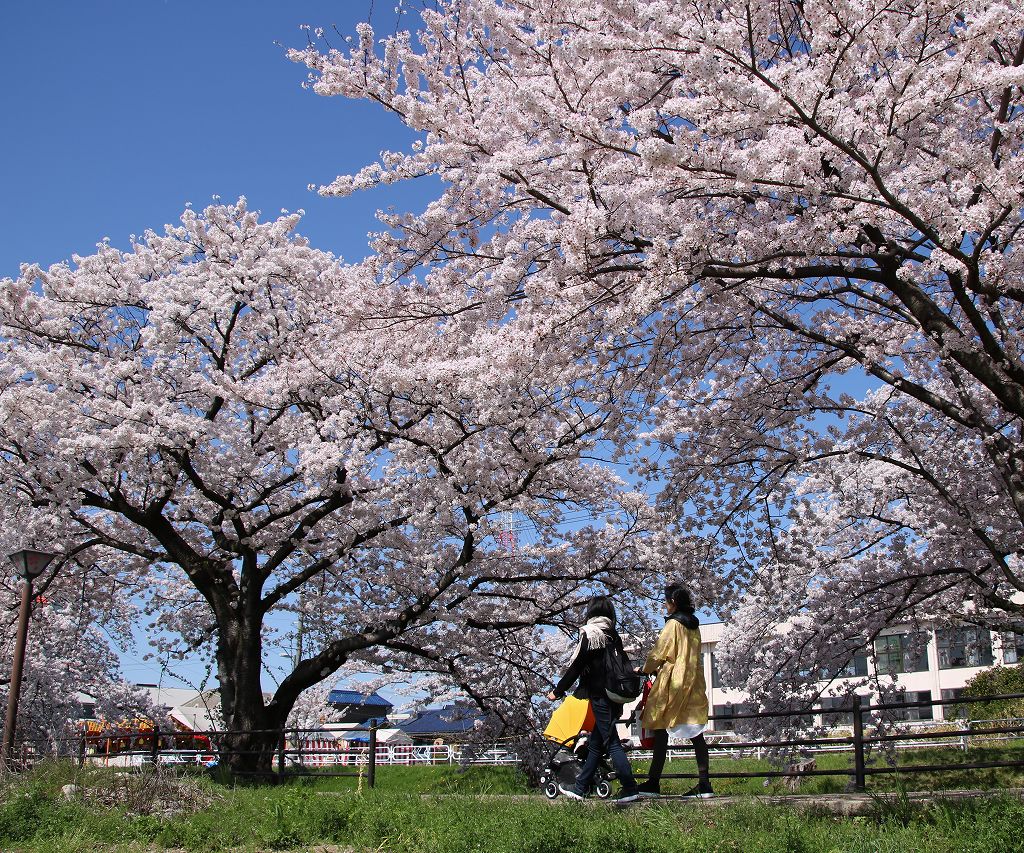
566,732
564,765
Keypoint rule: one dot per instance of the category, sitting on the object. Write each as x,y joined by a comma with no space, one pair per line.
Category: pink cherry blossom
789,235
237,428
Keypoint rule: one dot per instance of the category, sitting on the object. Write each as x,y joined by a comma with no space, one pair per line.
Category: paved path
844,805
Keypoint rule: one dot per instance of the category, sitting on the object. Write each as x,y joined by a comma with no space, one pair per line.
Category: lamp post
30,565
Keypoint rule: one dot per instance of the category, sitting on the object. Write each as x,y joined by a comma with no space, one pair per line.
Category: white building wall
934,680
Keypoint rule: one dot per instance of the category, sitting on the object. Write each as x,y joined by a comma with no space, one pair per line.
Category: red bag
646,735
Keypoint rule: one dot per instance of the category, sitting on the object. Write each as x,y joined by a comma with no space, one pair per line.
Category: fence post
371,765
155,754
859,782
81,752
281,746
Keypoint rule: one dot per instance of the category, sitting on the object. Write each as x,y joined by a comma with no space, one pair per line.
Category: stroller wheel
603,789
551,789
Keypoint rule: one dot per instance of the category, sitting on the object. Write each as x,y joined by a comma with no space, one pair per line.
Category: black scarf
687,620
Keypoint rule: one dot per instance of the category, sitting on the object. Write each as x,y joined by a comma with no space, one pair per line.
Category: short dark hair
600,605
680,597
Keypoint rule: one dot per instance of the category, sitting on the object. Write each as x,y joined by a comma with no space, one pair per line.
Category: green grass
395,817
295,818
426,779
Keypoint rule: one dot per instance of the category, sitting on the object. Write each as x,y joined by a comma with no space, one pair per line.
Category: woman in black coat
588,668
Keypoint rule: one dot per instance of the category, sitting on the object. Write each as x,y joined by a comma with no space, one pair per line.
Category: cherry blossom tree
244,430
799,222
78,622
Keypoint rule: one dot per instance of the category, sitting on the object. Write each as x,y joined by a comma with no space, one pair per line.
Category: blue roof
450,719
354,697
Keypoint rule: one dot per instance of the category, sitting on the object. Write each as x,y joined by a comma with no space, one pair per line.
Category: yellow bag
569,719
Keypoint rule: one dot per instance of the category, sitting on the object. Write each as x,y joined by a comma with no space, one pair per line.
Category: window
728,710
953,712
897,653
837,702
964,647
844,704
1013,647
925,712
857,667
716,676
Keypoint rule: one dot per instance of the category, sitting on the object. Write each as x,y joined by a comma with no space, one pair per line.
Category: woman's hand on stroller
551,696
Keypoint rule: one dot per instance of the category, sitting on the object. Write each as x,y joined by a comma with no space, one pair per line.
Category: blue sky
118,113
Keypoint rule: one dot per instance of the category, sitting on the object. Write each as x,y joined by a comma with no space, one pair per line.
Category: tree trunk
253,730
251,753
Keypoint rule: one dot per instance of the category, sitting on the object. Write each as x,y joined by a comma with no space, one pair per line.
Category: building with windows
935,664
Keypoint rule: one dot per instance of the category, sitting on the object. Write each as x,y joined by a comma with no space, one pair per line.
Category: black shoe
649,789
571,793
699,792
626,797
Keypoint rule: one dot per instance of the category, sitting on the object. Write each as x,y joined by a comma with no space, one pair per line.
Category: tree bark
253,728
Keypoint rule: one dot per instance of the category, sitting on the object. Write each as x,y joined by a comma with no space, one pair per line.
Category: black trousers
700,750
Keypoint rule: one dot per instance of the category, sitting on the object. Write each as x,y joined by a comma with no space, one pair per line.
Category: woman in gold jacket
678,701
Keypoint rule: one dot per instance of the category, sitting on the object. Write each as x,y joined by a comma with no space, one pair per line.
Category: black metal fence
859,742
293,751
279,754
296,752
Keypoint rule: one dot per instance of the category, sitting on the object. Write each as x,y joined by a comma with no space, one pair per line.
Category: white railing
332,754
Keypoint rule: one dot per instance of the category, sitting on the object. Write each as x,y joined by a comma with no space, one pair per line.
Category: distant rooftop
355,697
451,719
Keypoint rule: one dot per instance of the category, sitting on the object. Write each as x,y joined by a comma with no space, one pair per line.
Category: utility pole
30,565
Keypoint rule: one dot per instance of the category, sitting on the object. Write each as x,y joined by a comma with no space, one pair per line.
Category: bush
992,682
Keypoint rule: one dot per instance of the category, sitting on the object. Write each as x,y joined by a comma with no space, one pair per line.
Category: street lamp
30,565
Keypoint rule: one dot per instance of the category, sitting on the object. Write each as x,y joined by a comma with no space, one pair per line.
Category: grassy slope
394,817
